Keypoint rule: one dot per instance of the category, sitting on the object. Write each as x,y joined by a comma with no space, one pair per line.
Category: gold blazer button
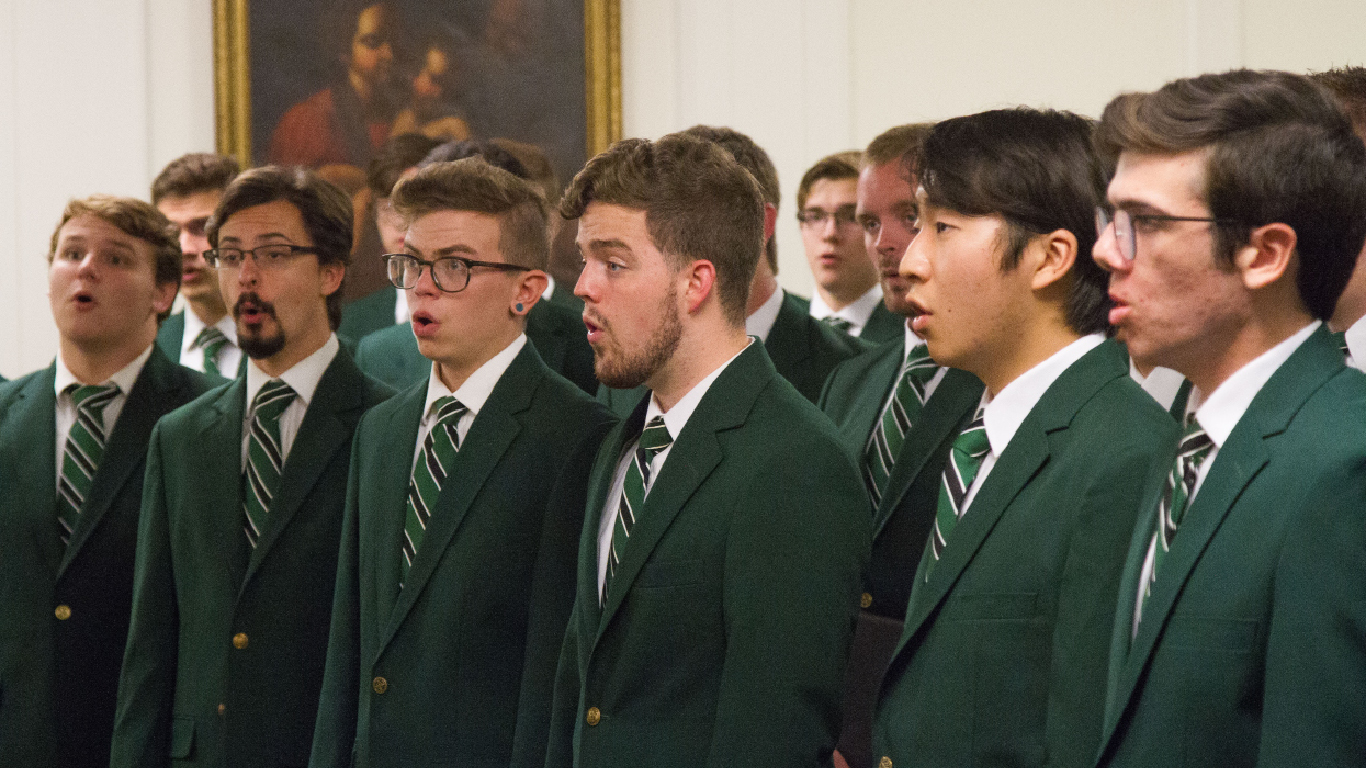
63,612
865,600
594,716
885,762
379,685
239,640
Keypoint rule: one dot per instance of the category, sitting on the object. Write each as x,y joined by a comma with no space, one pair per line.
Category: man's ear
700,283
770,221
1055,253
164,297
332,275
1265,257
529,290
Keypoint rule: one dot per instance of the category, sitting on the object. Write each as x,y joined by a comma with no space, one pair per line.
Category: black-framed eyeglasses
816,217
1126,237
270,256
450,273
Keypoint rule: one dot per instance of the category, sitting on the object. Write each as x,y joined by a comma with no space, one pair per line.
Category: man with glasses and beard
241,513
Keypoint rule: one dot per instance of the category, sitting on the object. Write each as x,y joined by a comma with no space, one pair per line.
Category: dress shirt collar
1356,343
856,312
1219,413
678,416
303,377
125,377
761,322
475,390
1006,411
912,341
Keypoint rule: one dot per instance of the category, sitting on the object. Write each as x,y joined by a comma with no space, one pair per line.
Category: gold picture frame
232,76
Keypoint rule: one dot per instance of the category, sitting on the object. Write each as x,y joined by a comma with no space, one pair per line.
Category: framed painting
323,83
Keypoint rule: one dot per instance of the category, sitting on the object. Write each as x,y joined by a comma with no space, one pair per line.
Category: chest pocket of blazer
669,573
182,738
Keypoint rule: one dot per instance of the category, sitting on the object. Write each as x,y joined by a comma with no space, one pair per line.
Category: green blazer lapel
127,448
390,471
490,435
789,341
170,336
546,330
28,435
327,426
952,403
218,465
1238,462
695,453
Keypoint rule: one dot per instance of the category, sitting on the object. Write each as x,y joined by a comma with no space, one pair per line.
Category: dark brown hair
1279,150
1037,170
699,203
134,218
754,159
326,212
397,155
193,173
471,184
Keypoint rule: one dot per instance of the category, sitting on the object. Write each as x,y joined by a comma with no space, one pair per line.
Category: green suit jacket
170,336
883,326
58,678
1002,659
803,350
723,638
468,646
371,312
391,355
226,648
853,398
1251,651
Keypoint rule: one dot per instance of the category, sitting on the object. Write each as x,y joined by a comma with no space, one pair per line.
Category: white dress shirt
1161,383
1218,414
66,408
191,356
472,394
674,421
1004,413
856,312
761,322
1356,344
303,378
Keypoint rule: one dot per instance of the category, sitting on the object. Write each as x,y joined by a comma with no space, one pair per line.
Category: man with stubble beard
242,509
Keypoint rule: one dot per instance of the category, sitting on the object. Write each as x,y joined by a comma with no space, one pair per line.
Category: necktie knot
655,437
272,400
92,397
449,410
838,323
212,341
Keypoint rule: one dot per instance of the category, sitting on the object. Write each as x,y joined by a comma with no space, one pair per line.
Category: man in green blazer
1239,210
726,530
203,336
69,506
802,349
242,510
893,411
443,647
1004,648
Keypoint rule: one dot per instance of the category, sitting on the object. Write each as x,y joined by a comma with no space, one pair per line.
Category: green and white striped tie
429,474
898,416
212,341
1195,447
965,460
82,453
653,439
265,455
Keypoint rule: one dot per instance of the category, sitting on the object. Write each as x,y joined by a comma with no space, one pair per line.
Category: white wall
96,95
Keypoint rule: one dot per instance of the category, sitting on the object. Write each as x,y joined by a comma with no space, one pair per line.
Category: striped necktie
265,454
212,341
653,439
898,416
429,473
965,460
1176,495
838,323
83,451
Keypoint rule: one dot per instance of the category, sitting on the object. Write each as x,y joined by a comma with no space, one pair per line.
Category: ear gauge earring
519,306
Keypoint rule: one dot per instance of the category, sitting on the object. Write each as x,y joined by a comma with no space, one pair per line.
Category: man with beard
346,122
73,438
893,407
726,530
204,336
241,514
